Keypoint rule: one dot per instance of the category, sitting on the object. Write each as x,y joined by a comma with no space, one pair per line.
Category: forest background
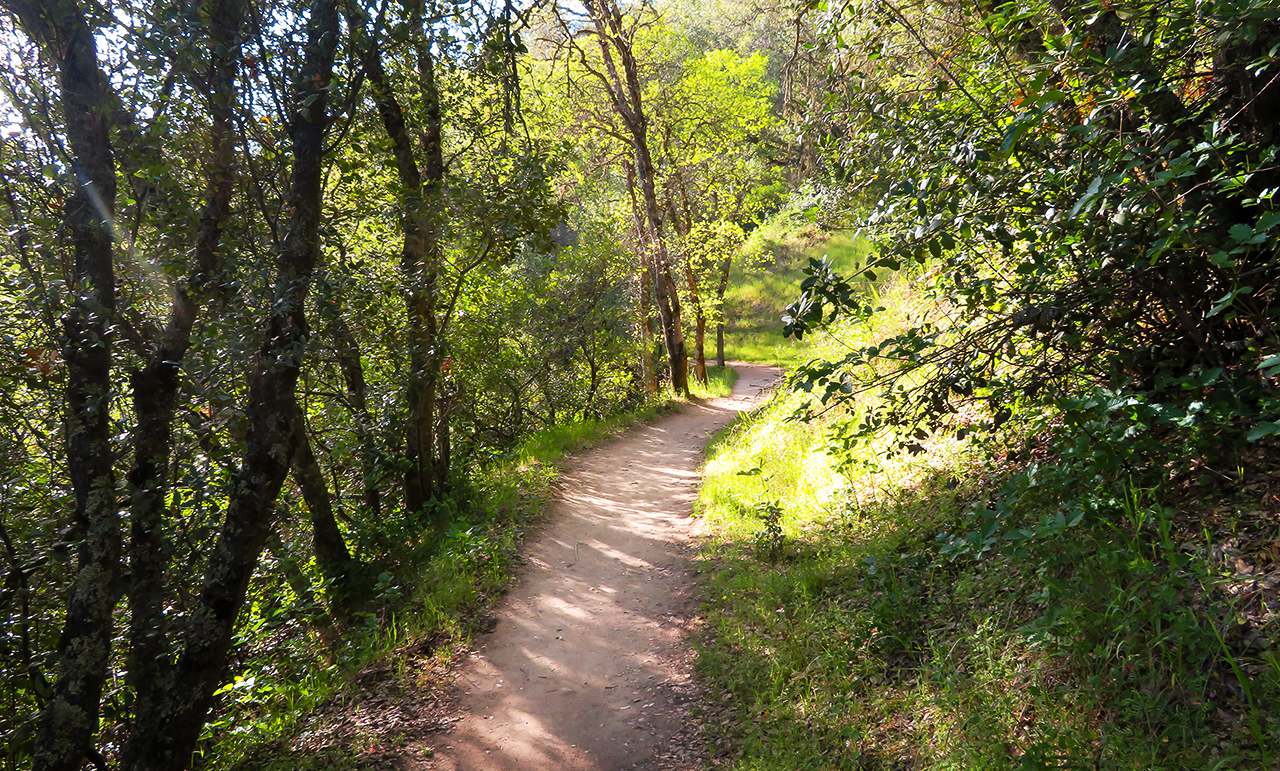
302,299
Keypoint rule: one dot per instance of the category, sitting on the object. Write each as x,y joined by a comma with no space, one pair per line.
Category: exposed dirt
588,665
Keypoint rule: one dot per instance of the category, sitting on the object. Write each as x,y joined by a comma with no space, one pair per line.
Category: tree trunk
422,269
699,340
683,225
700,321
155,386
627,101
332,555
70,719
301,586
350,363
421,257
647,369
672,334
167,741
668,295
720,290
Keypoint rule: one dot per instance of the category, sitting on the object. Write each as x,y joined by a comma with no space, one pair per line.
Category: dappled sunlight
626,559
584,669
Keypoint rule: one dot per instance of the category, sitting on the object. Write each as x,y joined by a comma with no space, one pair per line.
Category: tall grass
719,383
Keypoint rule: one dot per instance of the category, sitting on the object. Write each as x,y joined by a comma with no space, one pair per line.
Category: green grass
839,637
549,446
759,292
719,383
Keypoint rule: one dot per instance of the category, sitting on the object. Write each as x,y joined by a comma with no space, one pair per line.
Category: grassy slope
842,639
760,290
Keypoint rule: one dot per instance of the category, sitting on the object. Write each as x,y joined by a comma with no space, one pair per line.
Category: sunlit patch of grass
759,292
851,648
550,445
719,383
797,476
843,638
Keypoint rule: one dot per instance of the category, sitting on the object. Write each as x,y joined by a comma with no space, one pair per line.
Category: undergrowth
1010,603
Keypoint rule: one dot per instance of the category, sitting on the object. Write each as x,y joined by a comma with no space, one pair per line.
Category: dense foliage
1038,529
1093,189
280,282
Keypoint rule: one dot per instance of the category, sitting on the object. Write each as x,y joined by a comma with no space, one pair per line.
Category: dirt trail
588,666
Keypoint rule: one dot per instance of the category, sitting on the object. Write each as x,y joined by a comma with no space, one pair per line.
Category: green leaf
1241,232
1267,221
1227,300
1088,196
1014,133
1264,429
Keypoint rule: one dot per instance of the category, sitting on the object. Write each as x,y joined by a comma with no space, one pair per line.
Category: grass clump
549,446
719,383
992,603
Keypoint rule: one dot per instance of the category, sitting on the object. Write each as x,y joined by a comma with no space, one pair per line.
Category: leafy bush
1092,190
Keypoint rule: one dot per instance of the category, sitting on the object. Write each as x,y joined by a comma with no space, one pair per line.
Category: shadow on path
587,667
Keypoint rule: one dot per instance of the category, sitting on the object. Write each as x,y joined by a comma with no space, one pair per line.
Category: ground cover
761,286
985,603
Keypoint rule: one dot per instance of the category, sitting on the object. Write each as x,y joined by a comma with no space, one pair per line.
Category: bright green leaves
1086,213
824,296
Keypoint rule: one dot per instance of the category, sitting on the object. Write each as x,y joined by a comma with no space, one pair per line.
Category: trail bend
588,666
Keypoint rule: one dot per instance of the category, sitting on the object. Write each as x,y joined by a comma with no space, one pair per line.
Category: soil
588,665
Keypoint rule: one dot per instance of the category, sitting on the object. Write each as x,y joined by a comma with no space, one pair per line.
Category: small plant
769,542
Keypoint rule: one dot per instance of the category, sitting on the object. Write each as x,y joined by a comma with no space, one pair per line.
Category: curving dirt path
588,667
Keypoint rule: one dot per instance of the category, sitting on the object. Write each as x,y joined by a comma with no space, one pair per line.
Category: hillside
1013,599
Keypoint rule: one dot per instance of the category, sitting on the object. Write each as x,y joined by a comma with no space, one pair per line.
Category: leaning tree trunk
332,555
682,223
165,743
668,295
616,48
155,386
647,369
347,352
434,418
